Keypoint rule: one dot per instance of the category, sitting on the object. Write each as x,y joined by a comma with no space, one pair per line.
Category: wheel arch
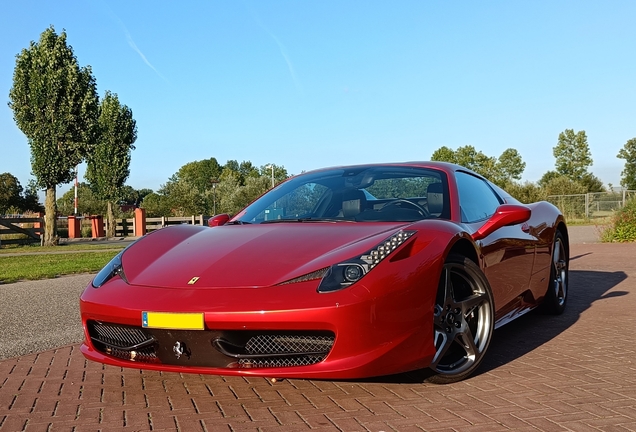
563,229
466,248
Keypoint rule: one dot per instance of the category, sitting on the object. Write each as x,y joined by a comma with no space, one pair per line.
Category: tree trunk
50,219
110,217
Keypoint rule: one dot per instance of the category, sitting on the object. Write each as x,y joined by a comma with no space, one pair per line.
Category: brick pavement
572,372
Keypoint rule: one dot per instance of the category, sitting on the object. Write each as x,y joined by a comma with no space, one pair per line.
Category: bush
623,225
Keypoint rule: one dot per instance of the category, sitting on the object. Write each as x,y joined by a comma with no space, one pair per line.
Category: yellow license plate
172,321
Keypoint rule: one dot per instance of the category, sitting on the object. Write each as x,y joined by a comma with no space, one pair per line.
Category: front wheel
463,320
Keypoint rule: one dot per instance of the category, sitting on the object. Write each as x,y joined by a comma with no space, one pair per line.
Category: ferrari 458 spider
345,272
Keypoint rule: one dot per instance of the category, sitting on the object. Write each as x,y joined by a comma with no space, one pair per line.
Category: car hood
256,255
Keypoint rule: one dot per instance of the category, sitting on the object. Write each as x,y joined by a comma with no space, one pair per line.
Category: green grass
15,268
35,248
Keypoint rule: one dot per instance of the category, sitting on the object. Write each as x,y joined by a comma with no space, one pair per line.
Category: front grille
125,342
283,344
301,360
211,348
118,336
269,349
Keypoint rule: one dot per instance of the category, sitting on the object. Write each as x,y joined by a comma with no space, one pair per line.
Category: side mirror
218,220
506,214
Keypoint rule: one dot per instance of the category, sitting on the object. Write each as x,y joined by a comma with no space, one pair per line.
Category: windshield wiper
238,222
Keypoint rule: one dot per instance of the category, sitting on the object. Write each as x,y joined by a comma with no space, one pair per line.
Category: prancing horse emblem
178,349
193,280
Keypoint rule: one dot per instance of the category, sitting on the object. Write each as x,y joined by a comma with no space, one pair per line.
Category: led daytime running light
374,256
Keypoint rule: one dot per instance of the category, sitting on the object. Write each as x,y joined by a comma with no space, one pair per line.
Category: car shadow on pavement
532,330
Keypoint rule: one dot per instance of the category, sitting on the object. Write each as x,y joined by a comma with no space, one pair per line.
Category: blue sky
308,84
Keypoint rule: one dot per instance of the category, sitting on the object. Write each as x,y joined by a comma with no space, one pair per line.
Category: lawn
15,268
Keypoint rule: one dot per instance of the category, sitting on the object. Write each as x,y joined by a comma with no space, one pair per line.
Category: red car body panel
382,324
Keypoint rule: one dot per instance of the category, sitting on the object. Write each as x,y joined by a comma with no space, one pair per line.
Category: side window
476,199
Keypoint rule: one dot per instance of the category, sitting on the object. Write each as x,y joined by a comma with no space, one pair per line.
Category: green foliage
55,104
444,154
237,198
14,199
156,205
628,175
547,177
131,196
10,192
564,185
623,225
88,202
280,173
109,162
510,166
527,192
572,153
205,187
199,174
592,183
501,171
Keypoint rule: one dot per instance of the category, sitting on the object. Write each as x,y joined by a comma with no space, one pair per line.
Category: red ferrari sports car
346,272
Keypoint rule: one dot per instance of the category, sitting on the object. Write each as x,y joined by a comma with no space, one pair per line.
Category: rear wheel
557,294
463,320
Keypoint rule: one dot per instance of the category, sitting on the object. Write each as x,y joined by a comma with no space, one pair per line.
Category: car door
507,253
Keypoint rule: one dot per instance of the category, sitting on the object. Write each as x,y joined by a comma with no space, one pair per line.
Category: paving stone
569,372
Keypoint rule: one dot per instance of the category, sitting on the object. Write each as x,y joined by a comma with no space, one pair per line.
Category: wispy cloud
132,43
134,46
281,48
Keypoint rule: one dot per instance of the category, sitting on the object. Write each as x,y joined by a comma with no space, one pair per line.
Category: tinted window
476,198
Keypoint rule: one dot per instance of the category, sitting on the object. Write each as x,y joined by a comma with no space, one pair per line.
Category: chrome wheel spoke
470,304
467,340
442,343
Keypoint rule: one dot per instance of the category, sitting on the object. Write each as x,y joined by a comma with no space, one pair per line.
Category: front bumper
366,330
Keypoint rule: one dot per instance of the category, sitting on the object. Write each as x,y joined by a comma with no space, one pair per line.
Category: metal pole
75,202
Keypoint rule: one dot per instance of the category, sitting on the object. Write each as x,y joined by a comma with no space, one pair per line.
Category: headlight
114,267
346,273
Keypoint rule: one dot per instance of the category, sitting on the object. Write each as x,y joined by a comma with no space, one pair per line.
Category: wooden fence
23,230
20,230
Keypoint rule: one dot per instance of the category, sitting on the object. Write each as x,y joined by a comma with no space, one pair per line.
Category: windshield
362,194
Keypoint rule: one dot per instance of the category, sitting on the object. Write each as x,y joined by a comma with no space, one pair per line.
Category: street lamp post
272,167
214,183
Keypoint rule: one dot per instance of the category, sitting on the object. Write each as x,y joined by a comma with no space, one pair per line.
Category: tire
557,294
463,321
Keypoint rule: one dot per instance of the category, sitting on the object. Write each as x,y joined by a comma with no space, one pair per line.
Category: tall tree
510,166
109,163
55,104
572,153
628,175
199,174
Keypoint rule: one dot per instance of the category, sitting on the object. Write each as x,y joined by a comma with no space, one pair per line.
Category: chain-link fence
591,205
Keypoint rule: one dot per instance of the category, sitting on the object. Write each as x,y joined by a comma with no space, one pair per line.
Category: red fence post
97,226
140,222
74,230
